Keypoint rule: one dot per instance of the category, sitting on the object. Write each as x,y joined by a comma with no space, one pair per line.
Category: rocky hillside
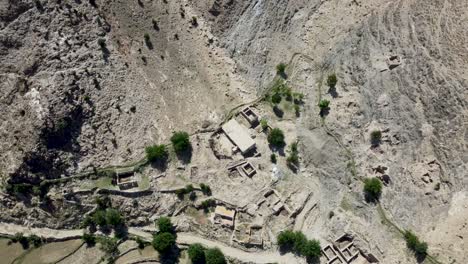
89,83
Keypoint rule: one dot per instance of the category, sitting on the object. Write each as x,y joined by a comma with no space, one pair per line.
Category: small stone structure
249,235
393,61
239,135
250,115
224,216
343,251
244,168
125,178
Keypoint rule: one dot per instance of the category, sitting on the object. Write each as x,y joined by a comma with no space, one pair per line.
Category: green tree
181,142
113,217
264,124
99,217
273,158
276,137
196,254
206,190
376,137
332,80
165,225
413,243
156,153
276,98
215,256
164,242
311,249
89,239
373,188
324,104
280,68
286,240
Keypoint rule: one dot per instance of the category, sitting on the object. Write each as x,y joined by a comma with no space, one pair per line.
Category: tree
276,137
196,254
311,249
373,188
273,158
140,242
113,217
99,217
180,141
376,137
214,256
165,225
156,153
206,190
332,80
276,98
264,124
164,242
324,104
35,240
280,68
286,240
89,239
413,243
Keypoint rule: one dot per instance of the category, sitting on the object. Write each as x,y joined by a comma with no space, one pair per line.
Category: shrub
109,245
206,204
276,98
214,256
298,98
194,21
293,159
180,141
164,242
264,124
373,188
376,137
324,104
206,190
297,110
273,158
311,249
189,188
286,240
196,254
35,240
280,68
193,196
413,243
105,201
299,244
165,225
276,137
140,242
180,193
332,80
156,153
113,217
147,37
89,239
88,221
99,217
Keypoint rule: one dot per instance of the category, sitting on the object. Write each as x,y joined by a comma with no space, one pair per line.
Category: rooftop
239,135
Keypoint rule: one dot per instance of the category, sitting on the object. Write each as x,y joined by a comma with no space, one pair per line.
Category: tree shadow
159,164
313,260
324,111
333,92
172,257
420,258
279,149
185,156
149,44
283,75
278,112
371,198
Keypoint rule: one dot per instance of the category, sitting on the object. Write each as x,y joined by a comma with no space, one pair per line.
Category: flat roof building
239,136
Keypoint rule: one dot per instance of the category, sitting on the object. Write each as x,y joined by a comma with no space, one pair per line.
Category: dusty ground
70,105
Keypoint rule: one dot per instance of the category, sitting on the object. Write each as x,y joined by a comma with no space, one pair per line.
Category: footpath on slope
9,230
